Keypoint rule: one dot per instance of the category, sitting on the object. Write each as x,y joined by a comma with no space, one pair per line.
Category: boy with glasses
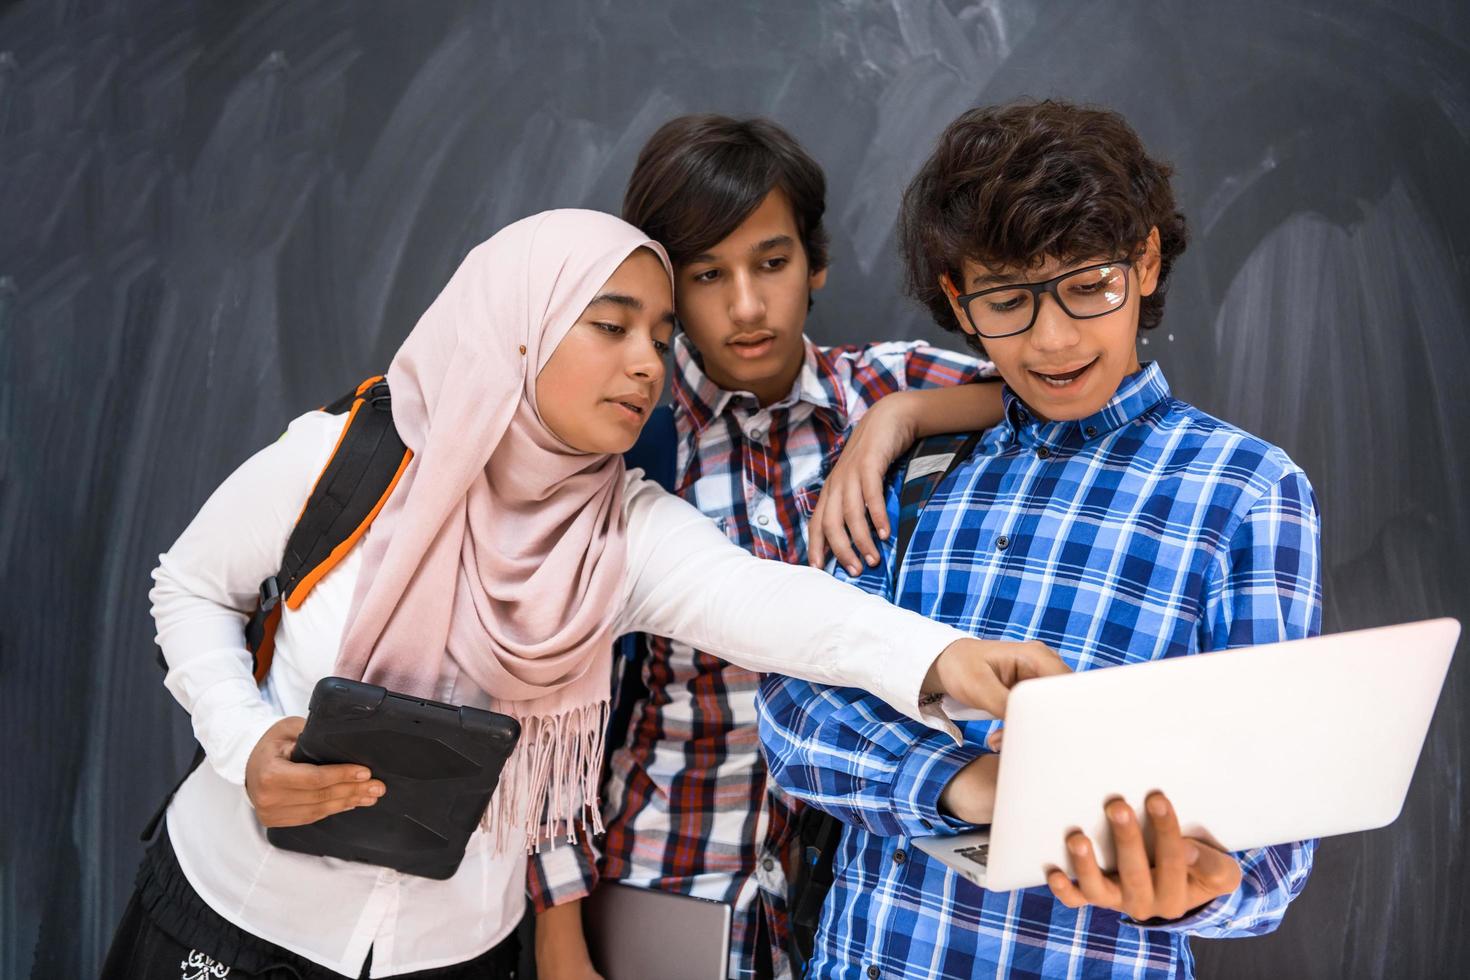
1103,517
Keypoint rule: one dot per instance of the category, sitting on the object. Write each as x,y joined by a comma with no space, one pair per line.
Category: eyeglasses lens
1002,312
1093,292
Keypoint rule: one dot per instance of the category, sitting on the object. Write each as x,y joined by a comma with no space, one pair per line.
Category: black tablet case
440,764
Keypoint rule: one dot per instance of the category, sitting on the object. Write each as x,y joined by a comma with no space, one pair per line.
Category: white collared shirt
685,580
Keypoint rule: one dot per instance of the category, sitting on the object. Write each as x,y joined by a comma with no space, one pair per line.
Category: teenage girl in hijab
511,553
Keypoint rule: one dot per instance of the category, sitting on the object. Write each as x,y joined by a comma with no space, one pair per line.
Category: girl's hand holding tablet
289,794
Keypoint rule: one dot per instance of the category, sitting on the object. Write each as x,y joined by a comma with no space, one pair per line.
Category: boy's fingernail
1078,847
854,570
871,560
883,533
1120,814
1156,807
361,774
376,790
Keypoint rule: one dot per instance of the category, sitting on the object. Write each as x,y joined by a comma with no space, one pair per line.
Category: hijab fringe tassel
551,781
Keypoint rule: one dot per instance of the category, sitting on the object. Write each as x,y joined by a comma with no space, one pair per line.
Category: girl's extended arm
687,581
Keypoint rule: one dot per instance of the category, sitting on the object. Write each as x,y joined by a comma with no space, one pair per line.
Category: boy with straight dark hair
760,414
1103,517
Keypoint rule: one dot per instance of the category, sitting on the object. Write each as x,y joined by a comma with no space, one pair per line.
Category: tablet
1253,746
440,764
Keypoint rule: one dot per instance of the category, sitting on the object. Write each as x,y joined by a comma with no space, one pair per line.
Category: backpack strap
930,462
819,834
364,467
657,453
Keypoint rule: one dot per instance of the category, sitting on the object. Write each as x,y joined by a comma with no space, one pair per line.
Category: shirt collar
704,401
1137,393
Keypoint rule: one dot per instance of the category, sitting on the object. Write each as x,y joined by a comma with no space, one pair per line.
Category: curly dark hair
699,176
1015,184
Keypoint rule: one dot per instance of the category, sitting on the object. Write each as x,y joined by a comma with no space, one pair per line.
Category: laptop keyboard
980,853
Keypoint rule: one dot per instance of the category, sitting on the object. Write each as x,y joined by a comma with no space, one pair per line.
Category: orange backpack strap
364,468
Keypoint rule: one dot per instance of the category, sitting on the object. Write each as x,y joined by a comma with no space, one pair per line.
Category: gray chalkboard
214,215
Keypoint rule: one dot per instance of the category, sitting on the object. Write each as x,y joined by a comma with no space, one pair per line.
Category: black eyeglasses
1004,311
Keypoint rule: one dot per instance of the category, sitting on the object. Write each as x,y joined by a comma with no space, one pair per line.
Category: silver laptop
1254,746
644,934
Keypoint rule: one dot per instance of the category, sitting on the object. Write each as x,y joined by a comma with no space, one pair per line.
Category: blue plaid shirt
1147,530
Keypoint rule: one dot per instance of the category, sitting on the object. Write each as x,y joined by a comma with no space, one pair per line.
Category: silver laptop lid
1255,746
643,934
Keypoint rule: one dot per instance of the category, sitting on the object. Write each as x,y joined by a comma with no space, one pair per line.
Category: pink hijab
503,548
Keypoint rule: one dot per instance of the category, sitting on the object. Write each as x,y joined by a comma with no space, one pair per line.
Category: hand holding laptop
1184,874
1075,780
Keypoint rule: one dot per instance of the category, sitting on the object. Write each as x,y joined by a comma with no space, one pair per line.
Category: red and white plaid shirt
687,804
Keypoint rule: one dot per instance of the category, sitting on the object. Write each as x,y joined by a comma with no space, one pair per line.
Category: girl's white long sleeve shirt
684,580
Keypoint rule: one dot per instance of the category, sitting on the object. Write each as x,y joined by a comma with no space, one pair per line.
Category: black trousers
142,951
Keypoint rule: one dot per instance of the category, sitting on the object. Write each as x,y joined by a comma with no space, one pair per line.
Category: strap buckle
270,594
378,396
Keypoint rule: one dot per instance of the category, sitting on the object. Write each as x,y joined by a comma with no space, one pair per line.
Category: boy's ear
947,286
817,279
1147,264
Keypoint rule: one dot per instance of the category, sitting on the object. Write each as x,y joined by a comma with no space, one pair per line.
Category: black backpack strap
657,453
361,474
929,463
344,404
818,834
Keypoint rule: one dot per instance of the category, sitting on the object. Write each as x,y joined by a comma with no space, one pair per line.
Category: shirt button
769,864
874,973
1042,452
900,856
1090,431
1002,543
763,520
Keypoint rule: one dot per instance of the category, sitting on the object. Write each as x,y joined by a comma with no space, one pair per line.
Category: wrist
947,674
561,945
560,924
970,795
903,409
934,677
